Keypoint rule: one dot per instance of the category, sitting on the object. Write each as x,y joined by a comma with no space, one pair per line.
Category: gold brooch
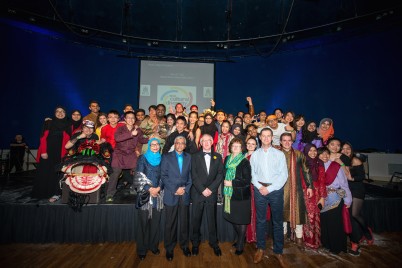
214,156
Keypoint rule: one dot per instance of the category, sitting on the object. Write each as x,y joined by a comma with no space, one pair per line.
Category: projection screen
170,83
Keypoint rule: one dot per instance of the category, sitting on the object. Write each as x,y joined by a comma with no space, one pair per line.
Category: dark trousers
275,199
197,212
112,183
333,236
148,231
176,215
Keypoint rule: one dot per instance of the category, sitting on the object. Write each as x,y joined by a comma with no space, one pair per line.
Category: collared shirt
180,160
269,167
207,158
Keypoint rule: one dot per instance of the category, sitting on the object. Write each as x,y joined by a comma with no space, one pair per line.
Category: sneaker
371,241
354,250
109,199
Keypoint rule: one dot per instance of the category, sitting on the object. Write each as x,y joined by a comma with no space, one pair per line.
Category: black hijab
210,129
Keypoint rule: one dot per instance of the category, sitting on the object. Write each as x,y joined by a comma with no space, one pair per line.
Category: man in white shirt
277,130
269,174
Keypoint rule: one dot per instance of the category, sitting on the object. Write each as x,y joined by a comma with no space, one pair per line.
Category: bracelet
342,165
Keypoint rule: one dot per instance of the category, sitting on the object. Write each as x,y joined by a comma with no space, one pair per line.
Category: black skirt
333,237
240,212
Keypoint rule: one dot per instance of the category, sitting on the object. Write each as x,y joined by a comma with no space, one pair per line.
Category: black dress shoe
169,256
217,251
238,252
186,252
156,251
195,251
142,256
234,244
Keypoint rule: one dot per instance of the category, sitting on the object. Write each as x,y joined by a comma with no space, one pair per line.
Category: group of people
277,167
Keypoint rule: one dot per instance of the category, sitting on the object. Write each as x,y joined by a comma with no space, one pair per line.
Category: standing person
126,137
236,191
237,131
76,121
294,203
220,117
17,152
334,147
360,230
55,134
299,122
222,147
103,121
333,236
310,135
312,229
108,131
269,172
251,232
93,115
326,130
180,131
176,179
150,214
171,124
277,130
207,175
193,129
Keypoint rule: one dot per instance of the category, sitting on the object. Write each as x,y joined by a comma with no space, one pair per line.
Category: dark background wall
356,82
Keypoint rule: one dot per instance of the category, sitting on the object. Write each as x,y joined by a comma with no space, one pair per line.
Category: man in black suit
207,175
176,180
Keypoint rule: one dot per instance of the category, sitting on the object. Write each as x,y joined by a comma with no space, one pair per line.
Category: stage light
32,19
149,44
225,46
12,11
124,40
184,46
85,31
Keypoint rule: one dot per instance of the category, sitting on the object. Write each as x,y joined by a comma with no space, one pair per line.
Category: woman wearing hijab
310,135
150,213
76,121
210,128
55,135
326,130
237,203
237,131
311,230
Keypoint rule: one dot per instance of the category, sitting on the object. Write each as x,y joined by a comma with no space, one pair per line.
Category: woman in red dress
312,230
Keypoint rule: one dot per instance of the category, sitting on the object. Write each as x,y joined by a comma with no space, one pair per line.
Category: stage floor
27,220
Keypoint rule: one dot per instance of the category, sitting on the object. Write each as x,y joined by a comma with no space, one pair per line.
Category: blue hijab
153,158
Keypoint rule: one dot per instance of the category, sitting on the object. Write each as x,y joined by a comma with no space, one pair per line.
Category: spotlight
339,28
12,11
32,19
149,44
225,46
184,46
378,17
85,31
284,40
155,43
124,40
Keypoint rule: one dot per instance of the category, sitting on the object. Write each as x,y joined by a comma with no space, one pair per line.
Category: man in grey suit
207,175
176,179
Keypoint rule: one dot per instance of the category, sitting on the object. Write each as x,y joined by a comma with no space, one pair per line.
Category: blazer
201,178
242,180
172,179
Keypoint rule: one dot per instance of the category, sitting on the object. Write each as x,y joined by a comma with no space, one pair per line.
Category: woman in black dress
237,203
55,134
360,231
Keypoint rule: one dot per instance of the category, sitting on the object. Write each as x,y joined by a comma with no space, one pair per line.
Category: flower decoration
214,156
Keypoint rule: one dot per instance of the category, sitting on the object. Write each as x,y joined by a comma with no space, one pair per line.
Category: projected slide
170,83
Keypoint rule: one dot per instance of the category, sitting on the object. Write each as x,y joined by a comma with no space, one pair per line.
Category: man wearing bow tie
207,175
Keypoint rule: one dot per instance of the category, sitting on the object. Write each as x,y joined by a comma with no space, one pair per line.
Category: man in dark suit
207,175
176,179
